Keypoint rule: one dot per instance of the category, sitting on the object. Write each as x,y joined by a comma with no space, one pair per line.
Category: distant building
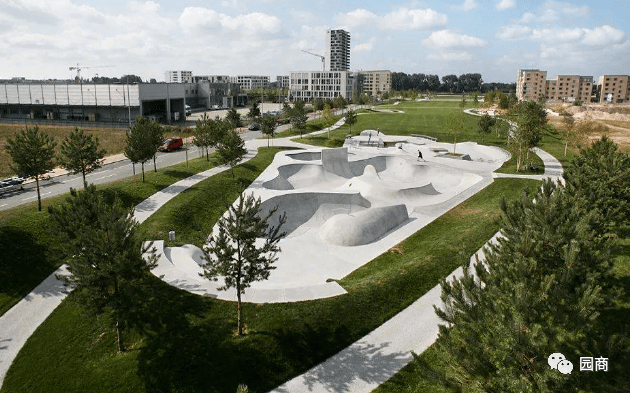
250,82
308,85
374,82
283,81
212,78
531,84
178,77
569,88
338,50
614,88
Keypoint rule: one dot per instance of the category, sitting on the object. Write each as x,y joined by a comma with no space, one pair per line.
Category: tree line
451,83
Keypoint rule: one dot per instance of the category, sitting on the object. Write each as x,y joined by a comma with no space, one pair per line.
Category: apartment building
307,85
614,88
375,82
212,78
569,88
250,82
531,84
283,81
178,77
338,50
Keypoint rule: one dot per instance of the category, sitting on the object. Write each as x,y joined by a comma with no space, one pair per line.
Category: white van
188,110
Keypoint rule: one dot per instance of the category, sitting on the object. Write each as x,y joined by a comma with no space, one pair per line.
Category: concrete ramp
336,161
306,156
363,227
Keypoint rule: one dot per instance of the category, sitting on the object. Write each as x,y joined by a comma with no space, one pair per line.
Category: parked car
172,144
254,127
188,110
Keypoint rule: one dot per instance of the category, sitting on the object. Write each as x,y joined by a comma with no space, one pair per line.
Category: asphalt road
108,173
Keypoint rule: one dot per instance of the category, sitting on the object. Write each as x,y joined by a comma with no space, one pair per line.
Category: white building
178,77
338,50
213,78
249,82
283,81
307,85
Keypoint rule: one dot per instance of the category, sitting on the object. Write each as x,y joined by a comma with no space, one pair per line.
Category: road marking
35,196
105,176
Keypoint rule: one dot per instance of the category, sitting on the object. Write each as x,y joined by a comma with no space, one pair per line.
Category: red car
171,144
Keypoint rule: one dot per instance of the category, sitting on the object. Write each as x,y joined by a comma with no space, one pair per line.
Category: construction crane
320,56
78,68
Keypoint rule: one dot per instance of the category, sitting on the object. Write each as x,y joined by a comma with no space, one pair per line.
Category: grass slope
189,345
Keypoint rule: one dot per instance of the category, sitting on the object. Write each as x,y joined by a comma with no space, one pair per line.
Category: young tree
268,127
298,116
104,255
233,252
530,118
254,112
80,153
141,142
33,155
538,292
568,123
455,125
350,118
202,135
157,139
318,104
233,118
232,150
485,124
328,117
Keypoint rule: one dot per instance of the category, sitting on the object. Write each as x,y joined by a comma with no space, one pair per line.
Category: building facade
308,85
178,77
212,78
531,84
569,88
283,81
374,82
338,50
250,82
614,88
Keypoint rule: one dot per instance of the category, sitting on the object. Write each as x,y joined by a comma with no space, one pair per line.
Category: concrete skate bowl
311,209
306,156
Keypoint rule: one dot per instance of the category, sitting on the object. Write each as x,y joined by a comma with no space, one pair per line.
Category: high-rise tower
338,50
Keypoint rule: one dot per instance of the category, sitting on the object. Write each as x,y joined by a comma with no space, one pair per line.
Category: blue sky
42,38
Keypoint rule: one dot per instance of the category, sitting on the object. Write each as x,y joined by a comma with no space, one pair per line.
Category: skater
378,131
420,156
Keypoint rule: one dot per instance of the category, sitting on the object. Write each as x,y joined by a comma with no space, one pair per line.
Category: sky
41,39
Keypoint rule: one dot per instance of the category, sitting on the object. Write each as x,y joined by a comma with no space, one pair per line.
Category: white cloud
450,39
467,5
603,36
201,17
364,47
412,19
450,56
552,12
356,18
506,5
558,35
513,32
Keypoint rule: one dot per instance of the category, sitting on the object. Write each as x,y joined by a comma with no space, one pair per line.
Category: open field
186,333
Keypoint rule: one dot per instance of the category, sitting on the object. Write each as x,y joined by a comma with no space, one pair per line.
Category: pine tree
80,153
33,155
104,255
233,253
537,292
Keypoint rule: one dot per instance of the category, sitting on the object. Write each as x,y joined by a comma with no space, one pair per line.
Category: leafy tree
530,119
455,125
328,117
449,83
33,155
600,178
485,124
298,116
350,118
104,255
232,150
157,139
233,118
141,142
254,112
539,291
202,136
80,153
233,252
318,104
339,102
268,127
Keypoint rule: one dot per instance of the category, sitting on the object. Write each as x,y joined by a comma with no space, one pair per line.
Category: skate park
344,206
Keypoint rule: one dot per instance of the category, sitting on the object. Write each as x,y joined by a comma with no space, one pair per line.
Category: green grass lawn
189,344
29,254
311,126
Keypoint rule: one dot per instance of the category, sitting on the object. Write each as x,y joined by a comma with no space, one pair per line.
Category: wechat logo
559,362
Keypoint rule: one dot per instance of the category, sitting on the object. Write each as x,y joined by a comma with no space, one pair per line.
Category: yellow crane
78,68
320,56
